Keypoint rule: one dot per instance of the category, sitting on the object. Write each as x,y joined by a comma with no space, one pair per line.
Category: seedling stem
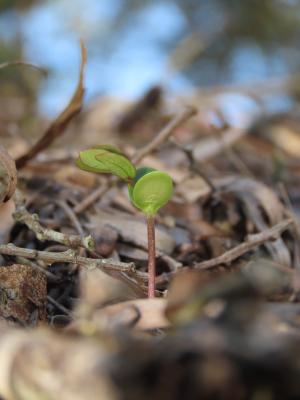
151,255
148,189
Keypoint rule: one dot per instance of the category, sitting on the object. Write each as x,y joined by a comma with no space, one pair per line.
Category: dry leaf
256,197
57,127
41,364
131,230
142,314
264,195
23,294
8,176
211,147
287,140
193,188
6,219
203,230
98,288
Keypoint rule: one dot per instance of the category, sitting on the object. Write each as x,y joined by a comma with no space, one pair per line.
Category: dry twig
58,126
196,168
44,234
68,256
252,242
164,134
24,64
94,196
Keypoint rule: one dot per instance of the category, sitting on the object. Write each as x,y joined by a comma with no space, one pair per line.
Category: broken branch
44,234
253,241
164,134
68,256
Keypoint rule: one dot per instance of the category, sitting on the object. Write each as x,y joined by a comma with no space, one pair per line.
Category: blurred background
132,45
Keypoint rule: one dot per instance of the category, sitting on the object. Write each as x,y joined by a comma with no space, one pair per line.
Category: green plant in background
148,189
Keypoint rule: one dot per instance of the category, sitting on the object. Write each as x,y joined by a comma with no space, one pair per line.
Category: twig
58,126
59,306
94,196
23,64
289,212
44,234
235,159
161,137
197,169
72,216
253,241
52,277
164,134
68,256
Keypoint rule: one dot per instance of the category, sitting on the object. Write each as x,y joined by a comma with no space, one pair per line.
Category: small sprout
151,191
148,189
106,159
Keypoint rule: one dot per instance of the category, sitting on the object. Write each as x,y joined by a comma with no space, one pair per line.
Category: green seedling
148,189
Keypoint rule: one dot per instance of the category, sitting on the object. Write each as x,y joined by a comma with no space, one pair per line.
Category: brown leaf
256,197
41,364
209,148
6,219
8,176
259,192
193,188
131,230
98,288
143,314
23,292
57,127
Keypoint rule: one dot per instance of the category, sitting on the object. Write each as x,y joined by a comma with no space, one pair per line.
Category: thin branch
59,306
68,256
72,216
164,134
44,234
94,196
196,168
252,242
50,276
24,64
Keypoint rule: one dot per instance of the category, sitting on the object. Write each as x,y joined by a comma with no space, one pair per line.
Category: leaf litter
73,264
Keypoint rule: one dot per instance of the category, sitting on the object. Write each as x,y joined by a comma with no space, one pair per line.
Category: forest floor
225,323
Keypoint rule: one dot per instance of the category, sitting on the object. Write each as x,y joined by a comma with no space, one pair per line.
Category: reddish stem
151,256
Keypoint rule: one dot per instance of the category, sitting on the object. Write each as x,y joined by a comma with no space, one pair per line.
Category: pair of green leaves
148,188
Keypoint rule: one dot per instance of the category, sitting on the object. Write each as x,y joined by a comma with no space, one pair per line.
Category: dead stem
68,256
